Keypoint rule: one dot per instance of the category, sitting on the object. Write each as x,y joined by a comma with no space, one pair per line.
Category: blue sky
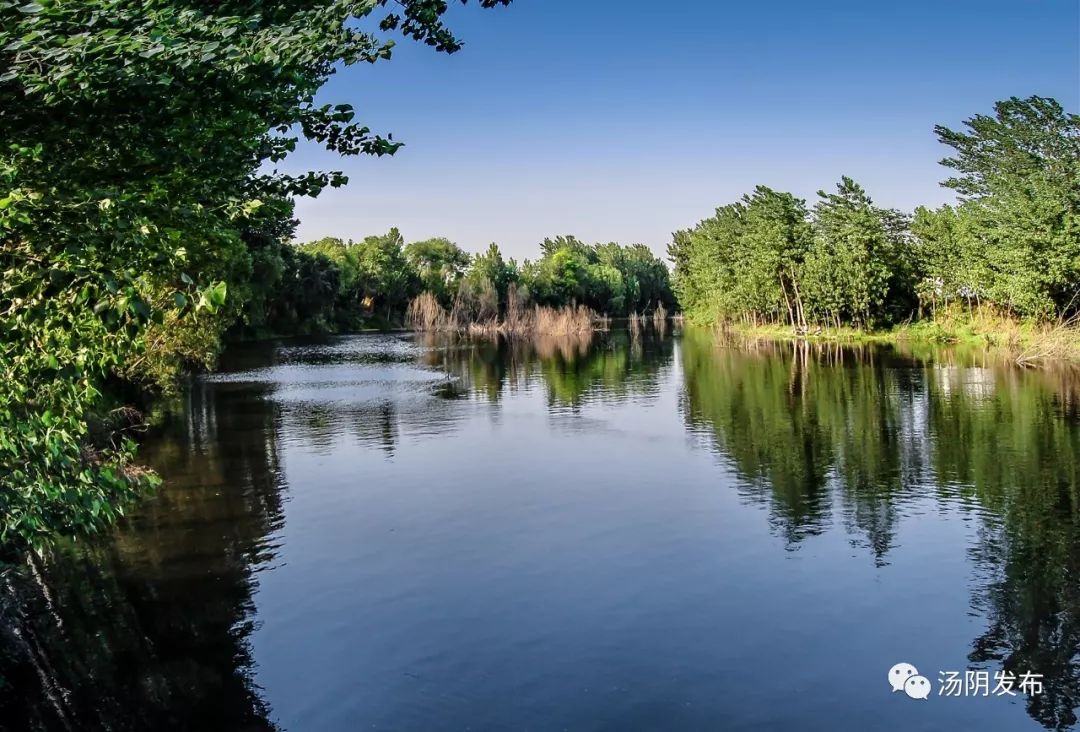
619,120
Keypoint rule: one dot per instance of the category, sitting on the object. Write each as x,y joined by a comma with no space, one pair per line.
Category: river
642,530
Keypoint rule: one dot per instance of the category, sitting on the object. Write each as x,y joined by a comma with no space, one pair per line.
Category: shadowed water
641,531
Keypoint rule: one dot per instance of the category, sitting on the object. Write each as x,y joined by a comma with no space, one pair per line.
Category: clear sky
624,120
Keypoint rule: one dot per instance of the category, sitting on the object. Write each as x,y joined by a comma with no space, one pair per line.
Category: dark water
638,533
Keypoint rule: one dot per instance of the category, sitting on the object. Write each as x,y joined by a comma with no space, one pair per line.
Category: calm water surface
641,532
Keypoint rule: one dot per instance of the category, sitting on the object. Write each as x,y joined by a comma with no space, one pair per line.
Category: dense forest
333,284
1011,244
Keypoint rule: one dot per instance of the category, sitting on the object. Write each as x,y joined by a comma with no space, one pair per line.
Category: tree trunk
787,301
798,302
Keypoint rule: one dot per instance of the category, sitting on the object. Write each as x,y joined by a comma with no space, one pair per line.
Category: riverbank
1025,343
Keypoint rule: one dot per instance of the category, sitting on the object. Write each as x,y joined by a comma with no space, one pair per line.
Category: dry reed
659,316
426,314
1057,342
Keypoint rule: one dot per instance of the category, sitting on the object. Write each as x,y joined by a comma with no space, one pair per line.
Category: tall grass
1025,342
425,313
1059,341
566,321
659,316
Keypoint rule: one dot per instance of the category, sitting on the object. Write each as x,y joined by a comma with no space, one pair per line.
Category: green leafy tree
609,278
646,279
550,246
950,258
138,153
746,260
764,259
851,241
487,282
1013,240
606,289
440,264
1018,177
384,273
561,276
776,238
652,276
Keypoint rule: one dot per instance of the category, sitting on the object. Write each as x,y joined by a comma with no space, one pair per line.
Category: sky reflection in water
626,532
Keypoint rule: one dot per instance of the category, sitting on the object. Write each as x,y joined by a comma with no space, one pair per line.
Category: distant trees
386,280
336,284
1012,242
609,278
767,259
440,264
862,251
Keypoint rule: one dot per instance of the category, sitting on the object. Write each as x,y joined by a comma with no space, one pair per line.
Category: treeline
334,284
1011,243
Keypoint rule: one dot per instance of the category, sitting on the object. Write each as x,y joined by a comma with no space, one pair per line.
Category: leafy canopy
139,145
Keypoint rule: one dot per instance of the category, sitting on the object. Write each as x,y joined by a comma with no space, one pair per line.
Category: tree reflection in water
813,429
150,627
150,630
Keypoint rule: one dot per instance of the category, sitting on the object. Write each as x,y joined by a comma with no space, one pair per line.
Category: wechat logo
905,677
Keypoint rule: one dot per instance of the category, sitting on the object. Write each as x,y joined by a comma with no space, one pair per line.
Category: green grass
1026,342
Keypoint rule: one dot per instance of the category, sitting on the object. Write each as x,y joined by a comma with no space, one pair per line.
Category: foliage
766,259
858,265
1012,242
609,278
1018,178
385,277
299,294
137,151
380,274
373,273
440,265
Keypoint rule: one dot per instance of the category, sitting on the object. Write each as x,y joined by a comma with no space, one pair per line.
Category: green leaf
217,294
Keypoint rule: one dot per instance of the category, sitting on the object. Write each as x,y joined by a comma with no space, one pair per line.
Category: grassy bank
1025,342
